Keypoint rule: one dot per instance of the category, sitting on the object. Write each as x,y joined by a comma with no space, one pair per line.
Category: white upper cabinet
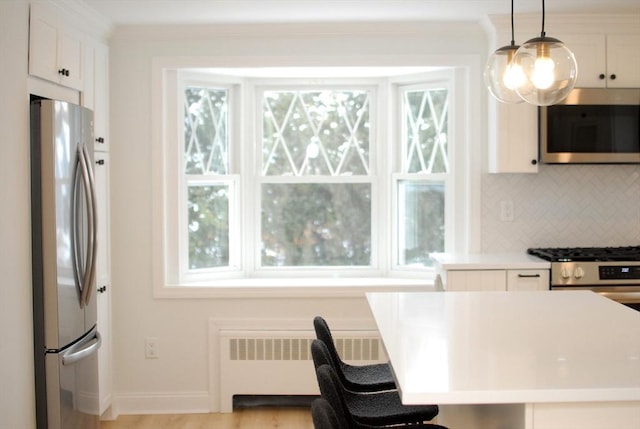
513,138
606,61
96,89
55,50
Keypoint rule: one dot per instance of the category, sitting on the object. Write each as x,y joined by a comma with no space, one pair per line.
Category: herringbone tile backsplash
562,206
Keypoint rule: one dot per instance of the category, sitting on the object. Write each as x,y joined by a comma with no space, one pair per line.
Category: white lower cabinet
476,280
583,415
526,280
497,280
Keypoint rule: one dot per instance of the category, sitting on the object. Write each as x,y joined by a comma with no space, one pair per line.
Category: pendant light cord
513,37
542,34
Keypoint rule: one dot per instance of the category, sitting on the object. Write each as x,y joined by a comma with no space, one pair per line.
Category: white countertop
509,347
489,261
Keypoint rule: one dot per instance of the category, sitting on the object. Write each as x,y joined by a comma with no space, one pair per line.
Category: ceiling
132,12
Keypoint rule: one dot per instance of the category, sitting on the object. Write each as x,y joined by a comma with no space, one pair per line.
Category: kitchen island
529,360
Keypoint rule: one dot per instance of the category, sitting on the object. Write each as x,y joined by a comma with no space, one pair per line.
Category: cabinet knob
102,289
100,140
602,76
612,77
534,161
64,72
100,162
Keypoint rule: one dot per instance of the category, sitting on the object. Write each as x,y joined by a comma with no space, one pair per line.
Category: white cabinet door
590,53
585,415
43,46
55,50
623,61
96,89
606,61
527,280
513,138
70,48
476,280
103,280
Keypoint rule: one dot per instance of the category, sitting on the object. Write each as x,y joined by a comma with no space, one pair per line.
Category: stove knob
566,273
578,273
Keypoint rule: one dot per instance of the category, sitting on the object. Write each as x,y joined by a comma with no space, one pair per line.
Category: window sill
294,288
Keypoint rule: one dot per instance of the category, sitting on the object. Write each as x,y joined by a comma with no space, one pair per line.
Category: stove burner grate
587,254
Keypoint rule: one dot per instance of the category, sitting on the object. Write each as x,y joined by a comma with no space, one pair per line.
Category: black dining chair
324,416
371,409
357,378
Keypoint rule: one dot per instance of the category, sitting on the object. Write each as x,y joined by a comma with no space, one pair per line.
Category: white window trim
467,199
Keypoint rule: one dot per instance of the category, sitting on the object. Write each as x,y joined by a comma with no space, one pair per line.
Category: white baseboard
163,403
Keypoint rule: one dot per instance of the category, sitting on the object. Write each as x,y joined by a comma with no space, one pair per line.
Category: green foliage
208,210
422,222
314,224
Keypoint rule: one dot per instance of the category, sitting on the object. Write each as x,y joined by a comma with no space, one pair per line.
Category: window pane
206,131
315,133
314,224
426,128
421,221
208,207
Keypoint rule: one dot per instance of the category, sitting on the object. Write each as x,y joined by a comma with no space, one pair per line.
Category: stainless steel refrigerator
64,232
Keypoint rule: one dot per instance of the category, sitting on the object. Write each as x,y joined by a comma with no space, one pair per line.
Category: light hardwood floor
243,418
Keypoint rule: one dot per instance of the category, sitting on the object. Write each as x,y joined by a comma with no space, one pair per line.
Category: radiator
279,362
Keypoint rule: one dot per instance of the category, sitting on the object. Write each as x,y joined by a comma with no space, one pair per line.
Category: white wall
181,372
17,409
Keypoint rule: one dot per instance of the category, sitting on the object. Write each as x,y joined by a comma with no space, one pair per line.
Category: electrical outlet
506,211
151,348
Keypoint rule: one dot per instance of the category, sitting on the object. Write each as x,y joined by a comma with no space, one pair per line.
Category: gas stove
610,271
587,254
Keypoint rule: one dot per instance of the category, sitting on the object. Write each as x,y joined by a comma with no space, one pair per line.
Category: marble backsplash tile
562,206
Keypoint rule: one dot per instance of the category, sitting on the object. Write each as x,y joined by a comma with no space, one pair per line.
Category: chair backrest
323,415
320,354
323,333
331,390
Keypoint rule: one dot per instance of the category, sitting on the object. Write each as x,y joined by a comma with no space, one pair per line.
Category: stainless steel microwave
592,125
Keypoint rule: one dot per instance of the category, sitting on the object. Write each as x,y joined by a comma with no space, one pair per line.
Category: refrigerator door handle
83,348
93,233
85,280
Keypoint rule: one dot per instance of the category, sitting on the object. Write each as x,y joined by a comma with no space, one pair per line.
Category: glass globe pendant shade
502,75
549,68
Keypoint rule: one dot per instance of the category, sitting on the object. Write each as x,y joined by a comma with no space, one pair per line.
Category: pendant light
502,75
549,68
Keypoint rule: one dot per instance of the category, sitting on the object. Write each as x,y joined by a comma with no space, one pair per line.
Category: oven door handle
621,294
623,297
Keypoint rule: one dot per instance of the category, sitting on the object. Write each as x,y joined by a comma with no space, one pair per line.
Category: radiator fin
351,349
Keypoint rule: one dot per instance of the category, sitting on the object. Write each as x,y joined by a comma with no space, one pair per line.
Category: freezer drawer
72,385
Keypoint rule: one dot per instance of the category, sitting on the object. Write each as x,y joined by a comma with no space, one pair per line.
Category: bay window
305,178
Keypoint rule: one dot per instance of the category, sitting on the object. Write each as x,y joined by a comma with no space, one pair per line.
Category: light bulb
513,76
543,73
502,75
549,68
